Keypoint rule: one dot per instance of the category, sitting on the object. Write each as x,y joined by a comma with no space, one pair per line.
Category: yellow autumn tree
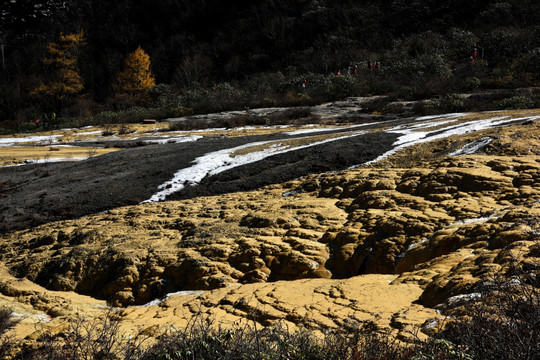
62,57
136,78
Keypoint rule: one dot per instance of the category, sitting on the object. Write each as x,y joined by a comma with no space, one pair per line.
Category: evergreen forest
163,58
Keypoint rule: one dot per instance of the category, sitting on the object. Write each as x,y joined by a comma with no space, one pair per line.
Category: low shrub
7,343
130,115
483,101
226,96
6,320
196,98
163,96
522,101
447,103
297,116
239,121
342,87
406,92
107,117
503,322
202,340
291,114
472,83
86,340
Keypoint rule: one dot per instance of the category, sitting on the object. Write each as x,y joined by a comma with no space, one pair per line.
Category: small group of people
474,55
45,121
353,70
374,66
350,70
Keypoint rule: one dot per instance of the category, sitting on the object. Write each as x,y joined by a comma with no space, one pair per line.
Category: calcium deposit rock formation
388,242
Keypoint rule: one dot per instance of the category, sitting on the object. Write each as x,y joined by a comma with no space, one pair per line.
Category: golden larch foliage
62,56
136,77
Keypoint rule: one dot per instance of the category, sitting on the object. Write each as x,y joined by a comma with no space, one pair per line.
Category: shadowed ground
40,193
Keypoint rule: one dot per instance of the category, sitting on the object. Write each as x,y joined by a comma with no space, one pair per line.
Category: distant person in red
474,55
338,72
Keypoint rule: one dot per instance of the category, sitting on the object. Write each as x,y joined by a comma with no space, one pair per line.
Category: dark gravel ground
31,195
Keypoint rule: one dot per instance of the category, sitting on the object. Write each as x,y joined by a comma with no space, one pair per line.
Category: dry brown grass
14,155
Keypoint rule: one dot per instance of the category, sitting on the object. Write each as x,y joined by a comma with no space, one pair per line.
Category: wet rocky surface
39,193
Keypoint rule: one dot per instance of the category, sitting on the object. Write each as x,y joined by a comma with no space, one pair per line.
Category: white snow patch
52,160
90,132
289,193
185,293
472,147
474,220
208,130
74,129
423,125
168,296
17,315
42,318
37,139
514,282
431,324
410,135
316,130
175,140
218,161
49,160
464,298
441,116
103,306
412,246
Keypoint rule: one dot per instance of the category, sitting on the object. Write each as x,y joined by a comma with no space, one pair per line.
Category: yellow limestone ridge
37,309
319,304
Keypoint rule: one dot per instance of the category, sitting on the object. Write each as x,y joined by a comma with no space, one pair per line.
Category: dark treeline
423,46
